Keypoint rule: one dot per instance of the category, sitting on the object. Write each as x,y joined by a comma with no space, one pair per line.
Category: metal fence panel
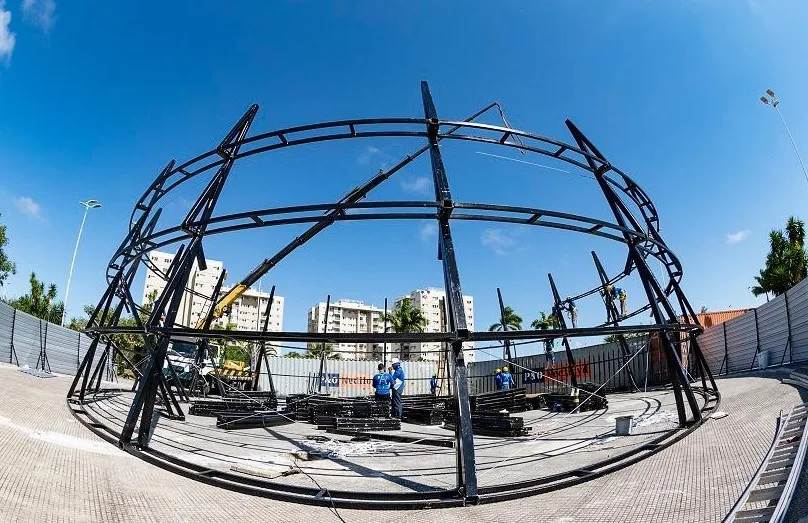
344,378
798,306
711,343
32,337
773,329
741,342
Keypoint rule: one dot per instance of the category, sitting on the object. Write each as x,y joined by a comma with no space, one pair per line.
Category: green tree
6,265
79,324
292,354
611,338
40,302
786,263
512,321
543,322
405,319
317,349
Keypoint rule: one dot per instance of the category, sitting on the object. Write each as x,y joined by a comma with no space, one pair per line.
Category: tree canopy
7,267
317,349
40,302
406,318
786,263
511,320
543,322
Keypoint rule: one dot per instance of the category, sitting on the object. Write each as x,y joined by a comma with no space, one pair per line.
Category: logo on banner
330,380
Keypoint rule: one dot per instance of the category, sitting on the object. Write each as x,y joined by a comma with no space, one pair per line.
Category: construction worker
572,309
433,385
381,383
497,378
398,388
506,379
549,355
621,294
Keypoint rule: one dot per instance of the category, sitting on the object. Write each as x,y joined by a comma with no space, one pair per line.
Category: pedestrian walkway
54,469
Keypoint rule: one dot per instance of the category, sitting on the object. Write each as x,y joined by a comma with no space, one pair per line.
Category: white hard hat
396,360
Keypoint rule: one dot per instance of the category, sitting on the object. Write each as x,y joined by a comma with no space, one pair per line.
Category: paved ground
53,469
560,442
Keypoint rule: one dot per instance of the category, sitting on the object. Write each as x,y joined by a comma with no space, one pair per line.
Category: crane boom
328,218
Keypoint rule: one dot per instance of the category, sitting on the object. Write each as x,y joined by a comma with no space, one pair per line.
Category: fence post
757,337
726,351
13,353
78,351
790,342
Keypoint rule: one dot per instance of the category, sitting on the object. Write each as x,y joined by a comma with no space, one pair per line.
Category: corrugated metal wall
345,378
31,336
736,352
595,363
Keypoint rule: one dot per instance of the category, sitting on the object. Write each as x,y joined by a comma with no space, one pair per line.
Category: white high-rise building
194,304
247,312
432,303
349,316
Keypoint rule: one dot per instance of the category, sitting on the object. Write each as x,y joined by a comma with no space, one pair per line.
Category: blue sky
95,98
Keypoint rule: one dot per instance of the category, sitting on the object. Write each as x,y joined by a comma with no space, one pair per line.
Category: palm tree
317,349
405,319
786,263
543,322
512,321
292,354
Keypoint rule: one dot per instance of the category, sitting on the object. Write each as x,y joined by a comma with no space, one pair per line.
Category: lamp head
91,204
769,92
764,100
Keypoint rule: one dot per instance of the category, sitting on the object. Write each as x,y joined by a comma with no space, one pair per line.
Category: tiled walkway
53,469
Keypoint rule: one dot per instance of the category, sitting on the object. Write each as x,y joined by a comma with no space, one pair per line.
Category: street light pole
89,204
774,103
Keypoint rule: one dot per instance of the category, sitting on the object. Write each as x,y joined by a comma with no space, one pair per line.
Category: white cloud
29,207
498,241
428,231
41,12
420,185
370,154
7,38
737,237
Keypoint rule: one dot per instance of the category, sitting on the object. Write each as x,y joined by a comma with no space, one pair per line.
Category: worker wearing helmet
621,294
398,389
506,379
433,385
498,378
572,309
381,384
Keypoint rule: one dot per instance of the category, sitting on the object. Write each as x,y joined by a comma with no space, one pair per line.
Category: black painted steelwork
639,234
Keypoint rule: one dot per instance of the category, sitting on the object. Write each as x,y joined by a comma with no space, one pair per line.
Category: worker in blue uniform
433,385
398,389
497,378
381,384
506,379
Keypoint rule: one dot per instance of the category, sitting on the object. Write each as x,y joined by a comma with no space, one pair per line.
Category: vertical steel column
384,349
790,342
195,223
611,309
656,296
12,352
262,351
559,317
506,347
322,346
726,352
757,341
455,312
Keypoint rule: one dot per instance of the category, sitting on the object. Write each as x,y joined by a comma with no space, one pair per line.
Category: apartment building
432,303
246,313
348,316
202,283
